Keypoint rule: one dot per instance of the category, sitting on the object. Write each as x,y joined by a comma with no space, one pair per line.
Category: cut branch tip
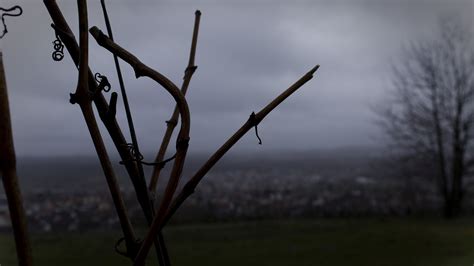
314,69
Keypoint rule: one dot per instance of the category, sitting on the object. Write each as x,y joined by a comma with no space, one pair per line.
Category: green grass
325,242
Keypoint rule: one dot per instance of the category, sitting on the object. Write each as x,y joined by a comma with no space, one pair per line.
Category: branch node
73,99
139,72
189,71
172,122
182,143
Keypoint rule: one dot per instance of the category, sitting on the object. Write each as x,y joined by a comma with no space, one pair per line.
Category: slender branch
254,120
10,178
173,121
83,98
190,186
124,95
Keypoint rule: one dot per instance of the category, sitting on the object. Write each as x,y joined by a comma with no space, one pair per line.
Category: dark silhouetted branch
124,95
102,106
253,120
173,121
82,96
10,178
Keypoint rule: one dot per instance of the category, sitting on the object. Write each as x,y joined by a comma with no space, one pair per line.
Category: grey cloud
248,52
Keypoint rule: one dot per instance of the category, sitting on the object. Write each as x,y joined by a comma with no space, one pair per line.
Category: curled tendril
133,151
103,82
6,10
58,46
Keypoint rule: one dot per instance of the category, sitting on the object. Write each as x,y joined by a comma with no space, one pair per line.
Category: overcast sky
248,52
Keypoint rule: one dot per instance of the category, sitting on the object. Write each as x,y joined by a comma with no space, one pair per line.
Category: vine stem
173,121
83,97
160,245
10,178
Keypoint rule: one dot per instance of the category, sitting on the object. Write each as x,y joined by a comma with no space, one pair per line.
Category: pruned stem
173,121
190,186
10,178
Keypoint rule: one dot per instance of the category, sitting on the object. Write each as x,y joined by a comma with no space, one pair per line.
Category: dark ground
328,242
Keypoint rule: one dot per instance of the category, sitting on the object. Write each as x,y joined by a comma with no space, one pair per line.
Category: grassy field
304,242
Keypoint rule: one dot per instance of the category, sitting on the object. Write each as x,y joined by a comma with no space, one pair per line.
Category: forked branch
190,186
173,121
253,121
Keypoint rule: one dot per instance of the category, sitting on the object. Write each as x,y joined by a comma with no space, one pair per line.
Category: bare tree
430,115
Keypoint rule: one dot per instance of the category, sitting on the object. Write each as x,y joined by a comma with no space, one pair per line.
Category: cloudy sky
248,52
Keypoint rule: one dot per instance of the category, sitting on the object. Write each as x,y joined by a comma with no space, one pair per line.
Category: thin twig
188,189
173,121
131,127
83,97
10,178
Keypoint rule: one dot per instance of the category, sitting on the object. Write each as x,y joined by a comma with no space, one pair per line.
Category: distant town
231,193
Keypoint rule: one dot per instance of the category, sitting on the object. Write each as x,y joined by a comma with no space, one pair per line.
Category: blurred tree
429,118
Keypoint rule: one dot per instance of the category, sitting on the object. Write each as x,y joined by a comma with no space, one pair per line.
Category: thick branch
10,179
188,189
173,121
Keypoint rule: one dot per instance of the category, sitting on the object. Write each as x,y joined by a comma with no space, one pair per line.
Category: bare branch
173,121
188,189
107,117
10,178
83,98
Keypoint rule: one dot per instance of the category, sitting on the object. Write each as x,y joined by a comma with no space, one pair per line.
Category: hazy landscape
351,182
303,133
